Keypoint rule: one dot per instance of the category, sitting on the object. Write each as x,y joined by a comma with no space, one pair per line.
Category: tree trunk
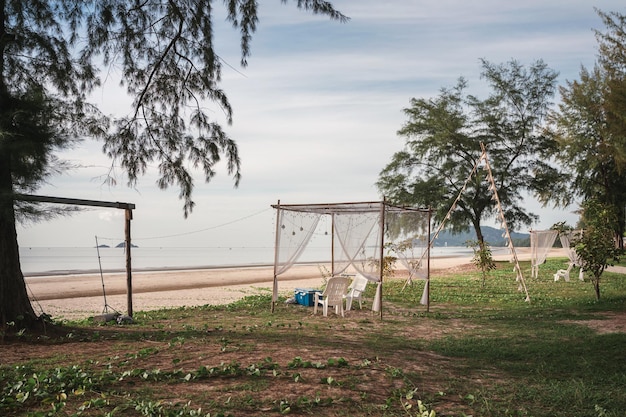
479,233
15,307
621,225
596,287
16,312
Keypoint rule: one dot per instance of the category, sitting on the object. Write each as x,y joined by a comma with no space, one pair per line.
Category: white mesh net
357,241
574,260
296,230
541,241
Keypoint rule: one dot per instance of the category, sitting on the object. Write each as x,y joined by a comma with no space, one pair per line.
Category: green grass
480,351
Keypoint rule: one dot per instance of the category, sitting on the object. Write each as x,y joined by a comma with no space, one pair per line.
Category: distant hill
123,245
492,236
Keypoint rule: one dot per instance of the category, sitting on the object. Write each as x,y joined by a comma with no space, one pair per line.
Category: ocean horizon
38,261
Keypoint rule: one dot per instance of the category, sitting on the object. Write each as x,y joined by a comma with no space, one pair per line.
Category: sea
42,261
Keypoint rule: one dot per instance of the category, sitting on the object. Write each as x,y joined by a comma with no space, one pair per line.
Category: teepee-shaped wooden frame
501,218
507,234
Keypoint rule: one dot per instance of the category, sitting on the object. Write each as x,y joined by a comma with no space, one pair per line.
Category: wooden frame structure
381,207
127,207
501,218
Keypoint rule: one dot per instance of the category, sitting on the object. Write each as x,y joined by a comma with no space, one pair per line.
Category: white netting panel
407,239
541,241
356,238
566,242
357,243
295,230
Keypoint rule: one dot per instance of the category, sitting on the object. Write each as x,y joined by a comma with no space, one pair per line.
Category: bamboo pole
276,243
492,184
428,264
332,244
382,253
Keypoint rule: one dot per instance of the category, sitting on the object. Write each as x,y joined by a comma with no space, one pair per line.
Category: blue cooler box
305,296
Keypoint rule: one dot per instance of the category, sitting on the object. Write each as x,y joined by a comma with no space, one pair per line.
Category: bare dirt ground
233,339
185,340
609,323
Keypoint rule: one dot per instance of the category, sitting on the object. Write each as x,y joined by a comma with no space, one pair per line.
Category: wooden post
332,244
492,186
428,265
129,274
276,249
382,251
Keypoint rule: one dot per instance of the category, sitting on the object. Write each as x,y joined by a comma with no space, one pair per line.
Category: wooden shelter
361,232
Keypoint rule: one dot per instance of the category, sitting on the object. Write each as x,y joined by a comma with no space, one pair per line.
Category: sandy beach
81,296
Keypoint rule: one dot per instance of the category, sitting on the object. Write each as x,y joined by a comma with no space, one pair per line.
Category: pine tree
590,126
165,51
443,137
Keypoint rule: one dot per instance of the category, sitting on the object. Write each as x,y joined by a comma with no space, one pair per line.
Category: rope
492,187
193,231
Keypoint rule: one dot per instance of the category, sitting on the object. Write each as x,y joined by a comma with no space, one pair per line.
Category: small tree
443,137
405,250
388,265
596,247
483,258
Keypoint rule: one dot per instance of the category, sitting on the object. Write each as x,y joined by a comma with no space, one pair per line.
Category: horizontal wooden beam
74,201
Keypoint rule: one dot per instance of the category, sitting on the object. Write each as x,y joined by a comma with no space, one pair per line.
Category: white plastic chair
336,288
564,273
355,291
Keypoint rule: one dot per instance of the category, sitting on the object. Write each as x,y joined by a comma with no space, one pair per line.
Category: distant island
492,236
103,246
123,245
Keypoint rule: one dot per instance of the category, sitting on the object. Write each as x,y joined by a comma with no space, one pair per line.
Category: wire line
195,231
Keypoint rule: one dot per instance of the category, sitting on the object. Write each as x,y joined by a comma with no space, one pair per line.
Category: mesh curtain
295,230
566,240
407,234
356,240
541,241
357,243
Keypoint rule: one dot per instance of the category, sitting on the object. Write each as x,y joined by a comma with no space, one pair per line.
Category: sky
316,111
